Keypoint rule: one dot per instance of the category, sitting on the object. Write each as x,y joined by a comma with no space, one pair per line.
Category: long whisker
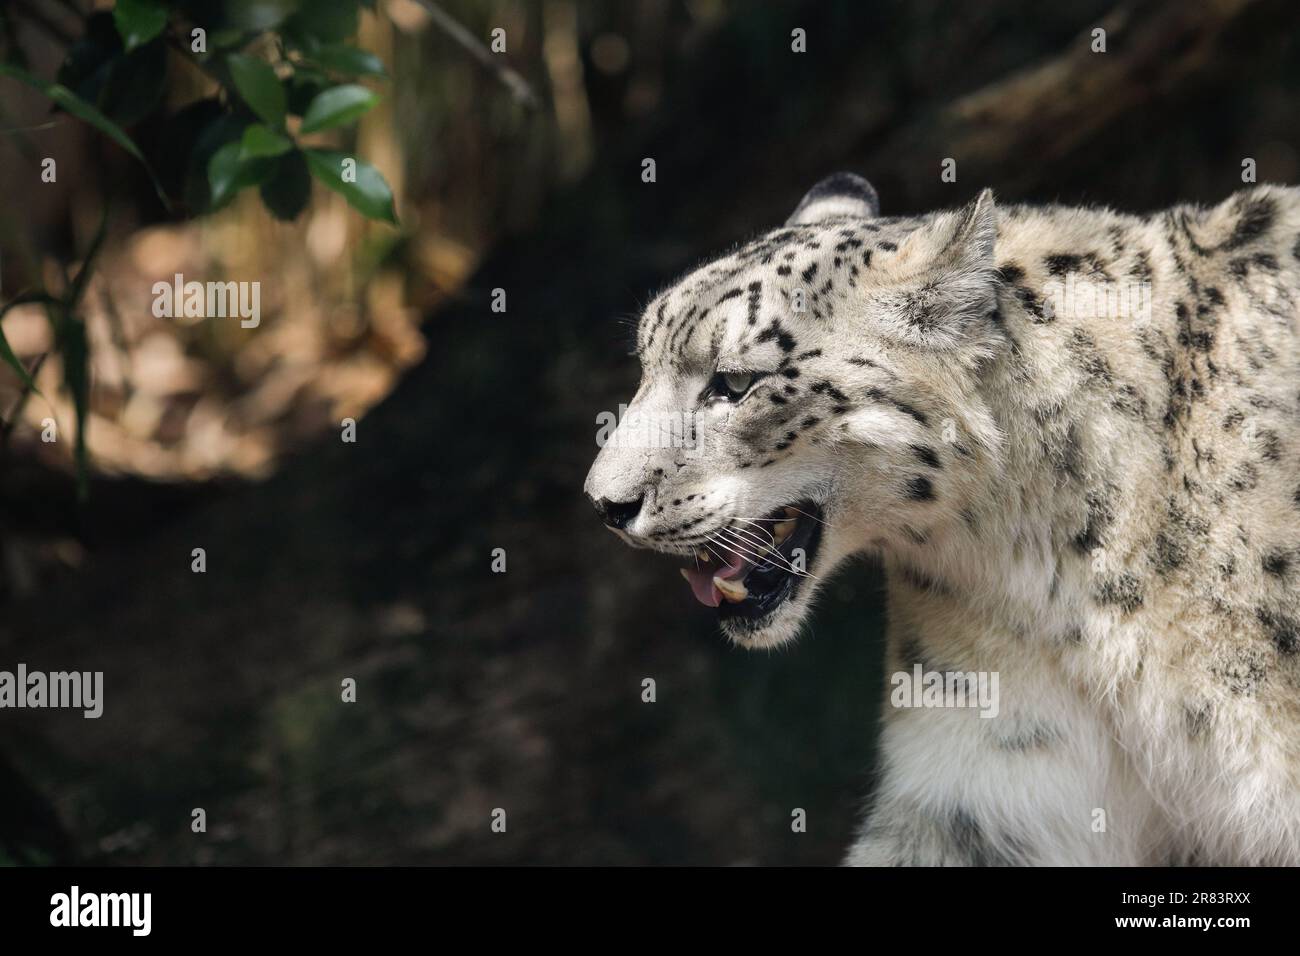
767,546
715,554
740,548
784,562
769,543
767,554
725,547
787,517
807,515
761,540
774,550
760,531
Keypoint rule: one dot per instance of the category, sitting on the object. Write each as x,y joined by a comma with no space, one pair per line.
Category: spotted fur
1104,509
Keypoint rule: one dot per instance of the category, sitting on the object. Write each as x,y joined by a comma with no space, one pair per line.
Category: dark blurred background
372,560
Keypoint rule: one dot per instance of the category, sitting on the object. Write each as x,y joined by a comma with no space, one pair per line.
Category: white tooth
782,531
686,574
733,591
703,555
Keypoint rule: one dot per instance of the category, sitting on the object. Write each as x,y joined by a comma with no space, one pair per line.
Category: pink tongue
701,580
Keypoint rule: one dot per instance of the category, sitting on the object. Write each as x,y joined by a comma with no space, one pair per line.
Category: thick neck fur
1023,543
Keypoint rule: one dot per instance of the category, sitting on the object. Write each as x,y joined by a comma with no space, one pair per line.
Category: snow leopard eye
730,386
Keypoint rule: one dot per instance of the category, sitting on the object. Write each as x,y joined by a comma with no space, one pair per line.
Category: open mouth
750,568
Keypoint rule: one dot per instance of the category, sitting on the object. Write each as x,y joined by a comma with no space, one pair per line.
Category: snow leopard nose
617,514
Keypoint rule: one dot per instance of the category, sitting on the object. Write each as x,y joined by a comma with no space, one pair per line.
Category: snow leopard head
808,397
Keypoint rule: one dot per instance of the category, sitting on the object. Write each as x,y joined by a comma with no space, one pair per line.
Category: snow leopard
1070,438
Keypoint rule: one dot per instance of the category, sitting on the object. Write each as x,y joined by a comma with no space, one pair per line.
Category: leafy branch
283,69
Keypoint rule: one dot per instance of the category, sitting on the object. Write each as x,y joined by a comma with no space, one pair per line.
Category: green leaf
77,289
139,21
288,190
12,360
257,83
342,58
6,351
90,59
259,141
337,106
135,84
79,108
223,173
368,193
324,21
224,128
256,16
70,336
75,352
229,172
224,39
301,89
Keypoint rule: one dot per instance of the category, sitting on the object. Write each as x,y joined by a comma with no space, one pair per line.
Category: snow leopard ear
976,231
945,275
840,194
960,240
